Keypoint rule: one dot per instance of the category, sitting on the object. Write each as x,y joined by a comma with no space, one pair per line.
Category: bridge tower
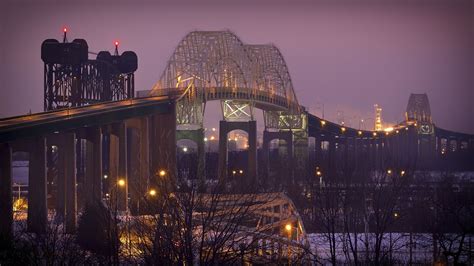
72,80
418,113
238,115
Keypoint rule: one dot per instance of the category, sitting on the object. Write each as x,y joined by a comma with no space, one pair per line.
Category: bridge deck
96,114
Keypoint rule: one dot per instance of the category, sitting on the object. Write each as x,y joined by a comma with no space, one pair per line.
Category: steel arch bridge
217,65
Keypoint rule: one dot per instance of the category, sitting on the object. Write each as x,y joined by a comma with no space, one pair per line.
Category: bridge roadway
31,125
130,127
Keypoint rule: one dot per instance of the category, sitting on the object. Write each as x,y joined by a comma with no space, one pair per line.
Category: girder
237,110
217,65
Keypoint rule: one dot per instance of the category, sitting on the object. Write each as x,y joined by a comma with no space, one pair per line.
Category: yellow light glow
388,129
212,137
20,204
402,173
162,173
121,182
323,122
374,134
318,173
360,132
343,129
288,227
389,171
152,192
395,215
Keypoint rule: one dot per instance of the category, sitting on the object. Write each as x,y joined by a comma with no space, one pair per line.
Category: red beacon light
64,29
116,43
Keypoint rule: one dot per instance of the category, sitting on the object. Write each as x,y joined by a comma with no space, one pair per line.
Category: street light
288,229
152,192
162,173
121,182
389,171
241,171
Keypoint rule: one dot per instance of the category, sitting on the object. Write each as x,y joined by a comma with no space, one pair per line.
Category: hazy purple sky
348,55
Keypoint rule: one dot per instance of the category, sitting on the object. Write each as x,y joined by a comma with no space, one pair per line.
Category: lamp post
288,229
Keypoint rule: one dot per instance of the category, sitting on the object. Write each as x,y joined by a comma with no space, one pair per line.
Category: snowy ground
421,251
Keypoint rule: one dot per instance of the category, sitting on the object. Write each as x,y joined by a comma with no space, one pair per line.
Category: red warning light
65,29
116,43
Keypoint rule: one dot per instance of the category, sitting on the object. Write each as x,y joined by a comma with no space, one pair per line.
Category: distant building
378,118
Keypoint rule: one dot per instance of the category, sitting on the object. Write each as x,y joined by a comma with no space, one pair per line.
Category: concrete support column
252,152
37,209
163,147
118,166
68,149
93,176
266,156
6,211
61,182
222,166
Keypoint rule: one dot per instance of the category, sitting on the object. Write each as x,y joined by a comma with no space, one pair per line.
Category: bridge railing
221,93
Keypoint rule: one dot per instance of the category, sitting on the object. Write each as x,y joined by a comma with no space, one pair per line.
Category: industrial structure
93,105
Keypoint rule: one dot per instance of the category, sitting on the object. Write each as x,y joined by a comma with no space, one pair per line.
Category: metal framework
217,65
88,83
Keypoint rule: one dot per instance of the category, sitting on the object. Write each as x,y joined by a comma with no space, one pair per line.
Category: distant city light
106,176
152,192
185,149
288,227
402,173
323,122
212,137
389,171
205,139
162,173
241,171
121,182
213,129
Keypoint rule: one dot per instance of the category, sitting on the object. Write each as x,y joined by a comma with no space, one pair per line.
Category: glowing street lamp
162,173
288,228
241,171
402,173
152,192
389,171
121,182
